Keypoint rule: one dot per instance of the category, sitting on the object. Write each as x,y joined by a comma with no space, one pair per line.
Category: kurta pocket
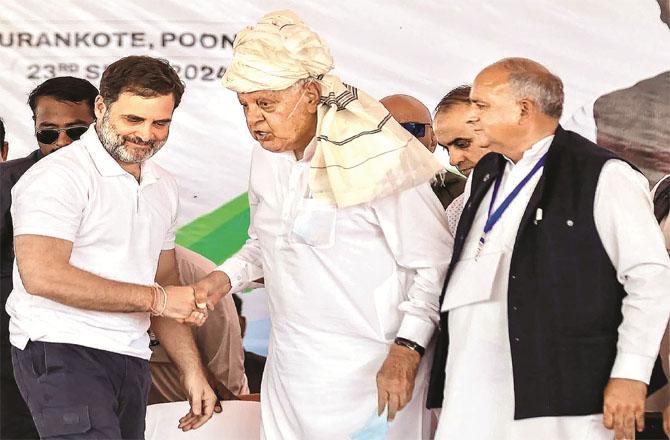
314,224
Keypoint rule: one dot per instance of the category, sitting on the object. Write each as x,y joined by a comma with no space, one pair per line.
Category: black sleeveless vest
564,299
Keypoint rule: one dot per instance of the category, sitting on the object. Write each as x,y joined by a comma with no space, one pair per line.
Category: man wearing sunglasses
414,117
62,110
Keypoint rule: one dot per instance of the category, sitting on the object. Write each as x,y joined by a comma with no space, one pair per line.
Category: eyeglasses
416,129
50,135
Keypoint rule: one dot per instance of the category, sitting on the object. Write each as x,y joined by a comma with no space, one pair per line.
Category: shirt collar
535,151
306,156
105,163
309,151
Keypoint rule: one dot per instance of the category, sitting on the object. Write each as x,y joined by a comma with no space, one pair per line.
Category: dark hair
65,88
238,303
2,132
140,75
459,95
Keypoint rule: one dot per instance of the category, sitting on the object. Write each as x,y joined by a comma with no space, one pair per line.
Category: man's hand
623,408
202,400
220,390
181,305
395,380
666,420
212,288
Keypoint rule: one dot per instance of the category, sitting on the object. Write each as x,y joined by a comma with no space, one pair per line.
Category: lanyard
493,218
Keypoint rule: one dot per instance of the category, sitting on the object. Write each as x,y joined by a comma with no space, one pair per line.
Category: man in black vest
557,290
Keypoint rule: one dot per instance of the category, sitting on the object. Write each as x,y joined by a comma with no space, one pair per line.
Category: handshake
190,304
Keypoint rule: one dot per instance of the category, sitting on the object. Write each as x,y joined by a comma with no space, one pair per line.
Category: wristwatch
410,344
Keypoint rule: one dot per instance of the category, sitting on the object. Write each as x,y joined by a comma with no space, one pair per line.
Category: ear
4,150
313,95
526,110
433,140
99,108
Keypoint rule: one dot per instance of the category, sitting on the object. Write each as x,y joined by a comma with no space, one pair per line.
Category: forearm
77,288
634,243
415,228
645,312
45,271
177,339
421,309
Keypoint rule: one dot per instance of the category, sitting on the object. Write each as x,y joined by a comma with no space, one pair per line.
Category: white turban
276,53
361,152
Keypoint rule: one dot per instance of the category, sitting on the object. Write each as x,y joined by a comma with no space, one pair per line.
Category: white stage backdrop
422,48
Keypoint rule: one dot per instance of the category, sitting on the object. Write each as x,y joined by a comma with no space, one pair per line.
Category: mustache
139,141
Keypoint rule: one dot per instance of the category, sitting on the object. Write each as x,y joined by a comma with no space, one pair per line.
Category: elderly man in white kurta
350,242
557,293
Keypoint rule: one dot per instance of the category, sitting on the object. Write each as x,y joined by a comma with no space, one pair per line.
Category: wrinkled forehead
287,95
491,84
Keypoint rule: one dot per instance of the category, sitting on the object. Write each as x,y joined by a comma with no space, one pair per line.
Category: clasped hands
190,304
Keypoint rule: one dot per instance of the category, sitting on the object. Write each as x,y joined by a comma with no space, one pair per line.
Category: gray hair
531,80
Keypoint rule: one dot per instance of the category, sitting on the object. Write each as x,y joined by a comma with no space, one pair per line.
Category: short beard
115,144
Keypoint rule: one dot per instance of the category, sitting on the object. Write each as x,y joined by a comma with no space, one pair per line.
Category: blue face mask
375,428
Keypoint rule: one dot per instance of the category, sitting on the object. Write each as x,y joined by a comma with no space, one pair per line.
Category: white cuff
416,330
237,272
633,366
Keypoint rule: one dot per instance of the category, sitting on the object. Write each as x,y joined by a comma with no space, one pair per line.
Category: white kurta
342,284
479,390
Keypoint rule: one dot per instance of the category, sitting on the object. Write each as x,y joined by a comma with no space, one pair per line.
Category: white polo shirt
118,229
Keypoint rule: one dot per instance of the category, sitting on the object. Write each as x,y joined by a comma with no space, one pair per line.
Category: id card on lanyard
494,216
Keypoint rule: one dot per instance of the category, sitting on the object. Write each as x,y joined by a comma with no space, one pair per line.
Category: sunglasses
416,129
50,135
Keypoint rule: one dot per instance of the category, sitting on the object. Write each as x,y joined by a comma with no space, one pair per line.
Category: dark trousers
83,393
15,419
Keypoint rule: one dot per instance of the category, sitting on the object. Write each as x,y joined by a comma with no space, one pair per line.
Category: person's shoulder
579,145
70,163
72,158
16,167
642,90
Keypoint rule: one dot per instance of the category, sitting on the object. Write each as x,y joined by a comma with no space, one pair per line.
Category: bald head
405,108
517,102
528,79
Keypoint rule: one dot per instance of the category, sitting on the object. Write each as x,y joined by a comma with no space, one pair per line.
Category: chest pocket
314,224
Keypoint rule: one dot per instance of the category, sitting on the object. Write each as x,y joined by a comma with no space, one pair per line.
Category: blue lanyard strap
495,216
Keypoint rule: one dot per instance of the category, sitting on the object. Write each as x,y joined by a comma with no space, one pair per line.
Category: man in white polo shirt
94,228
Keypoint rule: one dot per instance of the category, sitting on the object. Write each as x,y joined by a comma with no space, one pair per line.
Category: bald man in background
415,118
